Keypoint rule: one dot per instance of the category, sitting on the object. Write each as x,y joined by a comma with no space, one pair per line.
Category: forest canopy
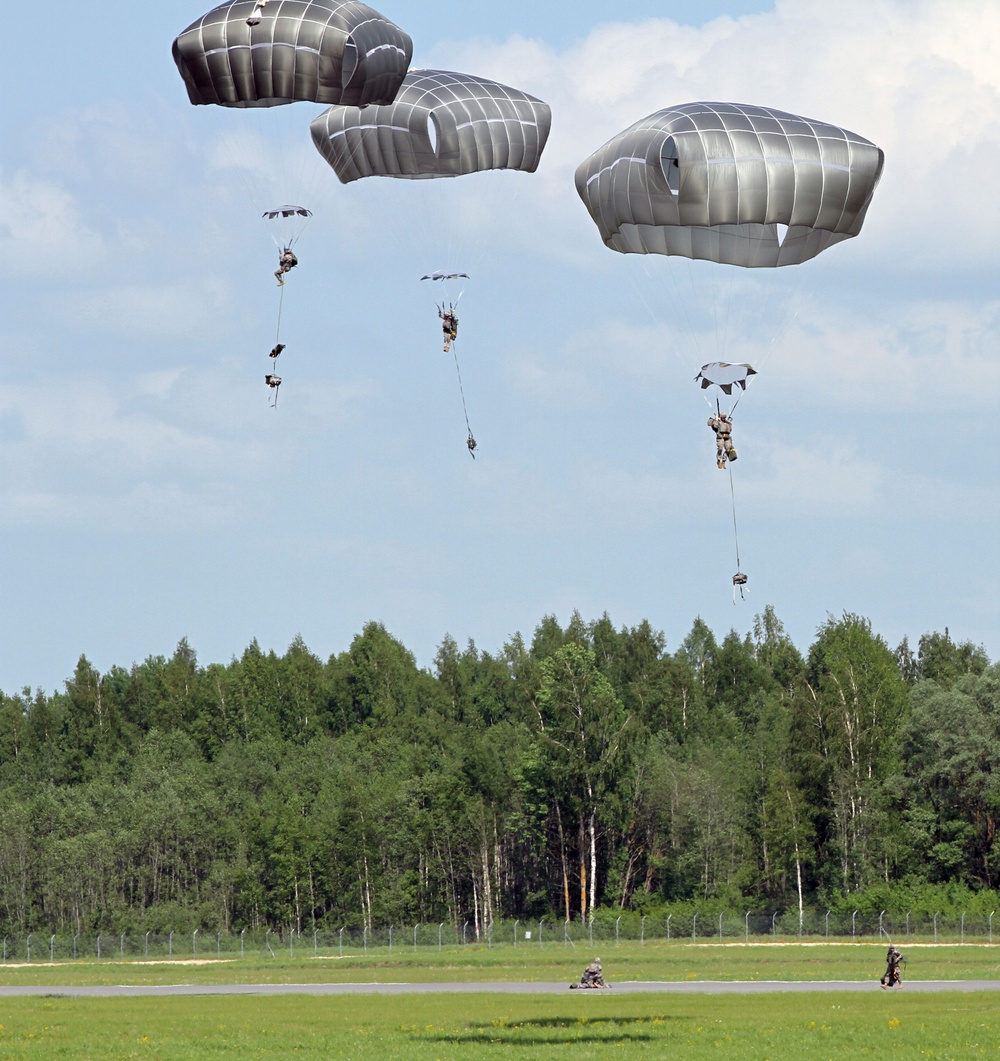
589,768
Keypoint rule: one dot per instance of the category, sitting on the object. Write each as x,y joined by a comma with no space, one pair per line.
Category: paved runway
707,987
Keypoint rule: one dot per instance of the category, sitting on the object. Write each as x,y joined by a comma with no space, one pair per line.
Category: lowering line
470,441
739,579
272,379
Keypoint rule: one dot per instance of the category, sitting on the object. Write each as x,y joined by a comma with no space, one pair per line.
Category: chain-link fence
686,927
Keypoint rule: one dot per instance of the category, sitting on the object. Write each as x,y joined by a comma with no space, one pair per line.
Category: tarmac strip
698,987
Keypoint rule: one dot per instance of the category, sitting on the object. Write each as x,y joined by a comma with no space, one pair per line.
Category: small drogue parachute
441,124
730,183
251,54
287,211
725,376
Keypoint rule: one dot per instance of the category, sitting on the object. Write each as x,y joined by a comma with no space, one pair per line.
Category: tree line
590,769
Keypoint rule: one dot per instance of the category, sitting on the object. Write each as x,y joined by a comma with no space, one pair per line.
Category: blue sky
148,492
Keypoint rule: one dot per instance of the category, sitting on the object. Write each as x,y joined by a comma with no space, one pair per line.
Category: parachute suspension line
680,302
801,288
727,320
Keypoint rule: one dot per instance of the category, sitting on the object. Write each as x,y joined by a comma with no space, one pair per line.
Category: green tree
940,660
951,750
586,725
849,716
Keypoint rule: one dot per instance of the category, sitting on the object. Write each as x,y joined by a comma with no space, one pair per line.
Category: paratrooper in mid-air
722,425
286,263
449,325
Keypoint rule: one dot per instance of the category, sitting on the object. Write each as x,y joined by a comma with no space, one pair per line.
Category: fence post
98,947
342,927
828,924
170,944
540,931
962,937
52,949
854,918
642,930
464,927
935,927
440,930
75,938
28,944
390,939
194,943
121,944
218,944
242,934
880,931
992,912
516,923
364,937
774,925
694,927
566,932
414,938
746,921
907,924
617,919
720,926
669,916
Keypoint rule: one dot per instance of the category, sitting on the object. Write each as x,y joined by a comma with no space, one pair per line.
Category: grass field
464,1026
676,961
458,1027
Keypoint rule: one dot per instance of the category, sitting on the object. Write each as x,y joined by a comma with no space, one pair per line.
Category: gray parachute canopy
718,181
441,124
725,376
245,54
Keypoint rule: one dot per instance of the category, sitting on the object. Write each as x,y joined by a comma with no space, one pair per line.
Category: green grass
457,1027
676,961
577,1025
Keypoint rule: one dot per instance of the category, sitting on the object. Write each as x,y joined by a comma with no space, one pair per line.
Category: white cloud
932,354
172,311
919,79
42,233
